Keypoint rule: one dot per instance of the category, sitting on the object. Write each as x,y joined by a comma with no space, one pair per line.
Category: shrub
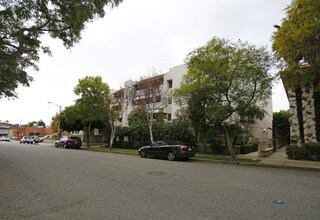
312,151
248,148
307,151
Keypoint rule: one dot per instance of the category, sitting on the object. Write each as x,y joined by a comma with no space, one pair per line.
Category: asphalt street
43,182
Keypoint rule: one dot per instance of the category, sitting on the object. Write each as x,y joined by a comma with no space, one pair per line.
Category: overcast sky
137,38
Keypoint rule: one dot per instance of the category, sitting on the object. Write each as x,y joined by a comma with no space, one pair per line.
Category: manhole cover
279,202
157,173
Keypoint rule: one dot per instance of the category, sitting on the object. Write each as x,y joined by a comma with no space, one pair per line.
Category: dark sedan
69,142
167,149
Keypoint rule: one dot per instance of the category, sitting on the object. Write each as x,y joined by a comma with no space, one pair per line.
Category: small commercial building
8,130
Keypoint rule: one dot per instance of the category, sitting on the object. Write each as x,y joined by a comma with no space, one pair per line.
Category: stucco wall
262,129
176,75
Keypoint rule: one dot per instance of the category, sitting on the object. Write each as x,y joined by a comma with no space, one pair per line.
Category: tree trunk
150,125
112,135
204,142
150,131
88,134
300,113
229,144
317,110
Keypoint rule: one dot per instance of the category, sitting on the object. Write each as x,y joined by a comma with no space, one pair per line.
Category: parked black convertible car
167,149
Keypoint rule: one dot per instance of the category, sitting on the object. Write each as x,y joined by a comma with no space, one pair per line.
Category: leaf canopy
23,22
297,42
224,79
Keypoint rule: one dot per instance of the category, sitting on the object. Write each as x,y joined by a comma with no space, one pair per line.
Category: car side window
75,138
156,143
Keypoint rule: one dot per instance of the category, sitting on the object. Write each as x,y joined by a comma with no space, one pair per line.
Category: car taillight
183,147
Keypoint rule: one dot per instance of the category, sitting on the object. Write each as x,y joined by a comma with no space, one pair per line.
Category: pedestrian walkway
279,159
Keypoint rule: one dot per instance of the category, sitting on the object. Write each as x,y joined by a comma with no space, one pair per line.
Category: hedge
248,148
307,151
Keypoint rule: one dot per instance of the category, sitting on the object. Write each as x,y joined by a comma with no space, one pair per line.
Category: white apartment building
126,99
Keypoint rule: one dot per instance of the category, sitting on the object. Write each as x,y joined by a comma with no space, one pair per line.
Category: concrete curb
260,164
257,163
287,167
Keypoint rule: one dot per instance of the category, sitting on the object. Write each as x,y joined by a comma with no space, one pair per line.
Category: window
170,83
169,117
170,100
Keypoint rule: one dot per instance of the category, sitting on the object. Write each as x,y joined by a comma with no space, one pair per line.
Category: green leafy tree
31,124
138,124
22,23
281,119
226,79
69,120
41,123
54,123
121,133
94,94
159,125
296,42
281,123
36,123
180,129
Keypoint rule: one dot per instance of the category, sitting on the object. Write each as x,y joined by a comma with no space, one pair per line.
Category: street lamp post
59,129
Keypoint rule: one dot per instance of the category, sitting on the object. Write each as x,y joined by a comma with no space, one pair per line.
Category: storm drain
157,173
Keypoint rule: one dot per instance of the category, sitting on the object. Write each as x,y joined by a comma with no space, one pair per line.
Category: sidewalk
279,159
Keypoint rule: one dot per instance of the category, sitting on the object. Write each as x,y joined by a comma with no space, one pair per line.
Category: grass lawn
203,157
114,150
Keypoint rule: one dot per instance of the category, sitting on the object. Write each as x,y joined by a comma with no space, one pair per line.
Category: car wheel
171,156
143,154
56,145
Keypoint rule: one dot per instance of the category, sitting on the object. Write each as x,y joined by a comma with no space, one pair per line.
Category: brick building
30,131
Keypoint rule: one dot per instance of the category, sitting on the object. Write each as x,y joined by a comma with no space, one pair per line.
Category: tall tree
297,43
226,79
22,23
94,93
148,97
69,119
